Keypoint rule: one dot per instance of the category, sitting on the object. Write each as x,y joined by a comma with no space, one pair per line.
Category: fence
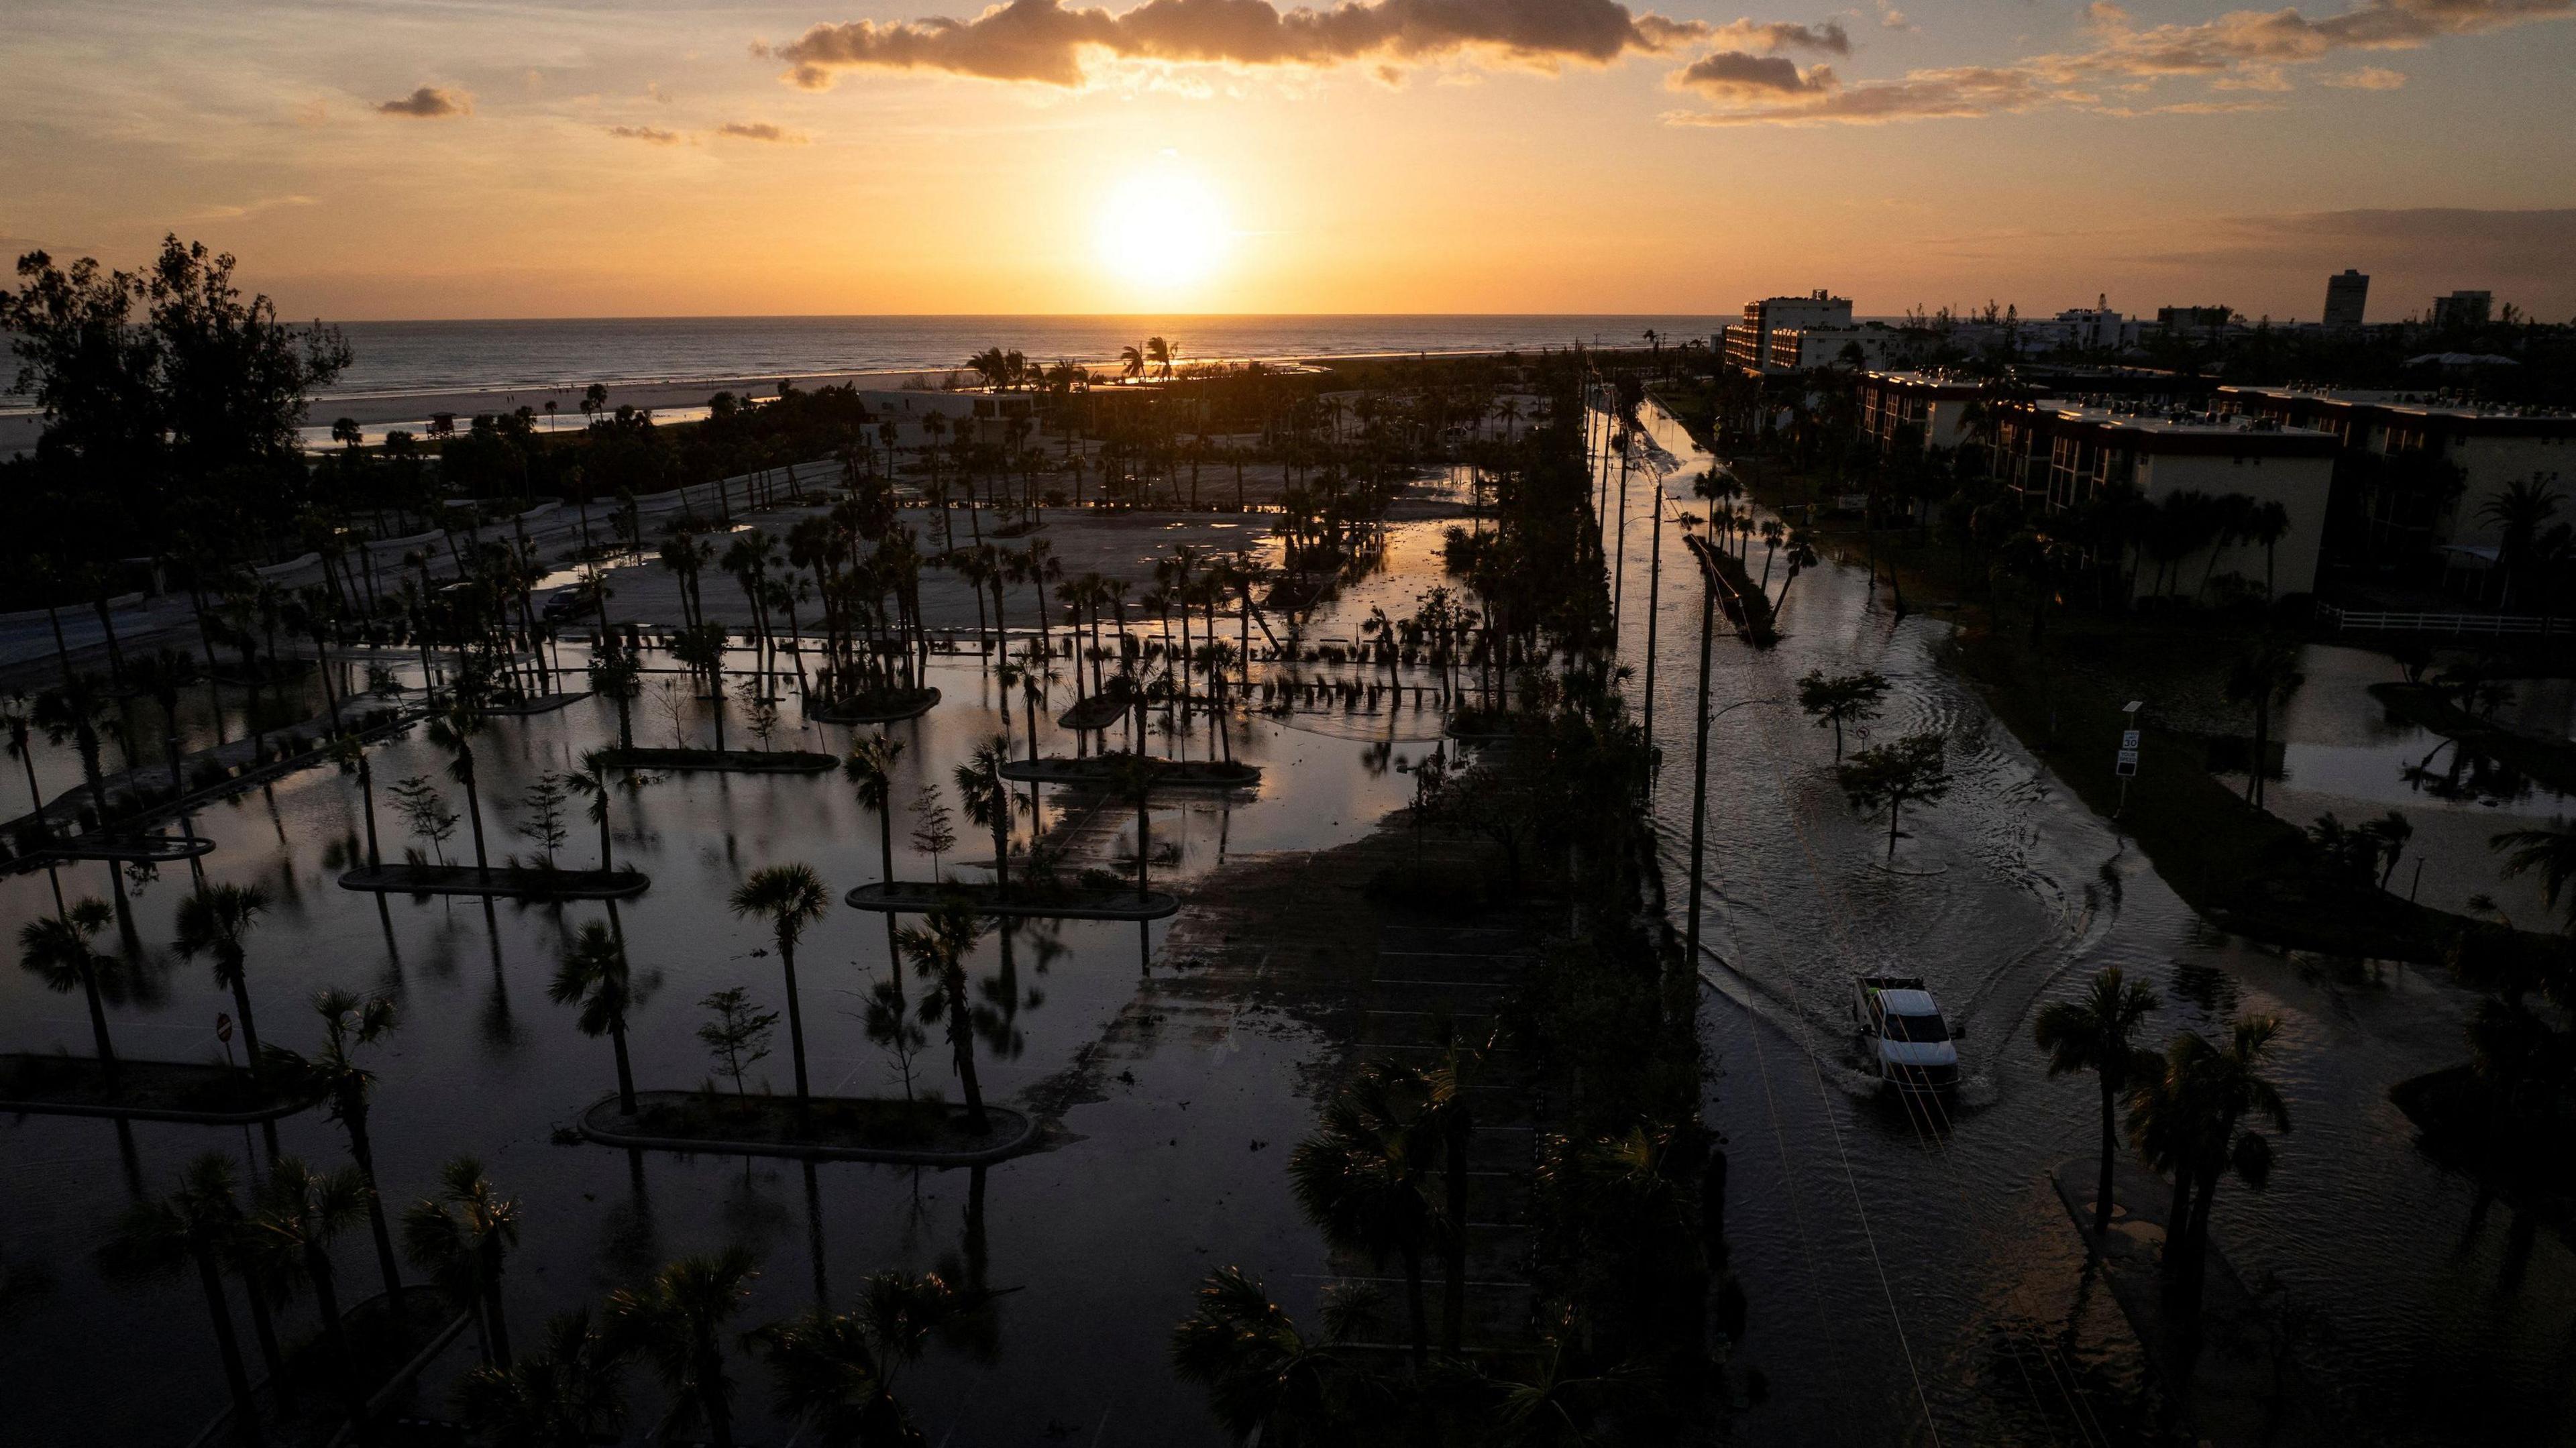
2490,624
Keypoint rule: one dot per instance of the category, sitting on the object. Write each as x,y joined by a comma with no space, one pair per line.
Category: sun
1164,230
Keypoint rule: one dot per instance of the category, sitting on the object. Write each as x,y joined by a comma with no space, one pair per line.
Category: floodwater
1097,1243
1915,1280
1910,1279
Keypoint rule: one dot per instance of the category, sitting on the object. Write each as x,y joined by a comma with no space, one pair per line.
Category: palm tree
73,710
1263,1376
199,1223
350,753
594,976
2265,675
2519,513
987,799
615,676
870,770
597,780
2188,1119
793,896
938,948
1131,361
348,1022
2267,524
217,921
299,1212
836,1373
2095,1032
162,674
1364,1177
677,1319
566,1394
1159,352
460,1238
58,949
454,731
2550,853
22,748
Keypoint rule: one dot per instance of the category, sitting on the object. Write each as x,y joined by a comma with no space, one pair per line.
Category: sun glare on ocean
1163,229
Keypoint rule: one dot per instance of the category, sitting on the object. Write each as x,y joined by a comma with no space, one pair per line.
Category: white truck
1900,1026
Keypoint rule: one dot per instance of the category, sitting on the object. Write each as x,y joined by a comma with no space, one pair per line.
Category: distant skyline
507,160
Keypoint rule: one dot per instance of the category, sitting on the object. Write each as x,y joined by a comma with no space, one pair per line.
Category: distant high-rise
2463,309
2345,297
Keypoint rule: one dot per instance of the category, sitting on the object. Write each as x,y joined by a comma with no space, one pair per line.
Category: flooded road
1914,1279
1910,1276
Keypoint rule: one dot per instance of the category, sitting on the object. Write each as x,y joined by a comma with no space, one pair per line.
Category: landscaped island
191,1091
731,761
518,882
1113,769
841,1128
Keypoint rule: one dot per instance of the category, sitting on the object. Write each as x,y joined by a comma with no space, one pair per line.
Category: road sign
223,1028
2129,740
2128,766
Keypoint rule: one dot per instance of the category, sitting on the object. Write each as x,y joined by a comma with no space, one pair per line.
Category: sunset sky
419,158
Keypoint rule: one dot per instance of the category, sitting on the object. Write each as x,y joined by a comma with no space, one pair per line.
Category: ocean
416,357
404,373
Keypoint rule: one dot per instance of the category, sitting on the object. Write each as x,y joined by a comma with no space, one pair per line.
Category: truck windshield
1917,1028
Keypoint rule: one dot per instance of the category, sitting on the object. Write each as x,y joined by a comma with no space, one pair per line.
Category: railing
2364,621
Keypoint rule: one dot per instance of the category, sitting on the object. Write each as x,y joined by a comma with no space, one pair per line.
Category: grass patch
736,761
36,1080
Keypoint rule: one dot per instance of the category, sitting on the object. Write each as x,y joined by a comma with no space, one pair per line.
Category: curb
899,1156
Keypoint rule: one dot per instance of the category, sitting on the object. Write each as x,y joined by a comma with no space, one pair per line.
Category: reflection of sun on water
1164,229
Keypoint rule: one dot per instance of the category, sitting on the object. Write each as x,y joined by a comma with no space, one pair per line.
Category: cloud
1731,75
430,103
760,131
1774,35
2287,36
1043,41
2369,77
647,134
1821,98
1892,18
2244,50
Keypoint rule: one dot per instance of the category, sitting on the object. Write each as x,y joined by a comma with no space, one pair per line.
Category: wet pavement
1910,1275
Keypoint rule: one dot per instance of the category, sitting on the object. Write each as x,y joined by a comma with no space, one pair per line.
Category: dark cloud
1731,75
430,103
1819,97
759,131
1045,42
647,134
1827,39
2286,36
2244,50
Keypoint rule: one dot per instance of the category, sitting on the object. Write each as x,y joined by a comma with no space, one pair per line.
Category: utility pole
1699,763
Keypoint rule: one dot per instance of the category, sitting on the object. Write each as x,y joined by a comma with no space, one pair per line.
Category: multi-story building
2062,454
1803,349
1748,345
1930,408
2135,430
2346,297
2206,321
2462,309
2424,474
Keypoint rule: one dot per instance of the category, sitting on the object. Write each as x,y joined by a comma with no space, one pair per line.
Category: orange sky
417,159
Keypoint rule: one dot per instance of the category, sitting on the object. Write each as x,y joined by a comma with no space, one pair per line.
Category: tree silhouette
594,975
1892,776
791,897
2095,1032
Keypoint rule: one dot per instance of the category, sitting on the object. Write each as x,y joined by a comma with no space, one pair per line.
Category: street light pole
1699,750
